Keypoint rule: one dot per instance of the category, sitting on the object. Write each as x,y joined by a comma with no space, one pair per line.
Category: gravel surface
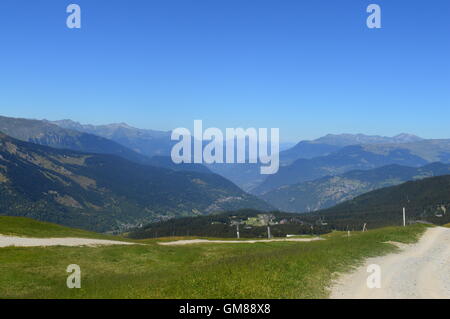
419,271
6,241
202,241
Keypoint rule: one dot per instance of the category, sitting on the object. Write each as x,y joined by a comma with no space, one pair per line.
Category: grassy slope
27,227
265,270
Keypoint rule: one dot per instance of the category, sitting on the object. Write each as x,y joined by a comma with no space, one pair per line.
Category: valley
103,192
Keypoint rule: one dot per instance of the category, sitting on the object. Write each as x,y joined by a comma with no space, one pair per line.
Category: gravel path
421,270
6,241
202,241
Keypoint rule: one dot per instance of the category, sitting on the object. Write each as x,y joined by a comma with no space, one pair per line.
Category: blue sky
308,67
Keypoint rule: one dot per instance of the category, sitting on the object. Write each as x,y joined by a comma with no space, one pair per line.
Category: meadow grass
27,227
262,270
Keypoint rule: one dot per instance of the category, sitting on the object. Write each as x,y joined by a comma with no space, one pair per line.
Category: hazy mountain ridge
147,142
48,134
356,139
158,145
355,157
308,160
332,190
68,135
436,150
330,143
247,176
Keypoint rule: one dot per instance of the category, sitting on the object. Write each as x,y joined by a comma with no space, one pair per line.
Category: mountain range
48,134
331,190
354,139
308,160
67,134
355,157
104,192
105,177
333,142
247,175
146,142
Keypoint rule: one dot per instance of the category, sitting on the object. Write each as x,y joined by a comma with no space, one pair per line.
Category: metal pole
404,217
237,225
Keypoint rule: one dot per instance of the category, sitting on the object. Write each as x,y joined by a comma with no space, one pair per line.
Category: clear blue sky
309,67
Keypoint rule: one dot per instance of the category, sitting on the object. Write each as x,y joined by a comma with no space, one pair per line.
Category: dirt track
203,241
6,241
421,270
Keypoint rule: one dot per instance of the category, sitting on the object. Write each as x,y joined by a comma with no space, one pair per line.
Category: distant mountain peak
112,126
346,139
407,137
70,123
121,124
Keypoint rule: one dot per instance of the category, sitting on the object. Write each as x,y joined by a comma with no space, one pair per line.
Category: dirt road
6,241
421,270
202,241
